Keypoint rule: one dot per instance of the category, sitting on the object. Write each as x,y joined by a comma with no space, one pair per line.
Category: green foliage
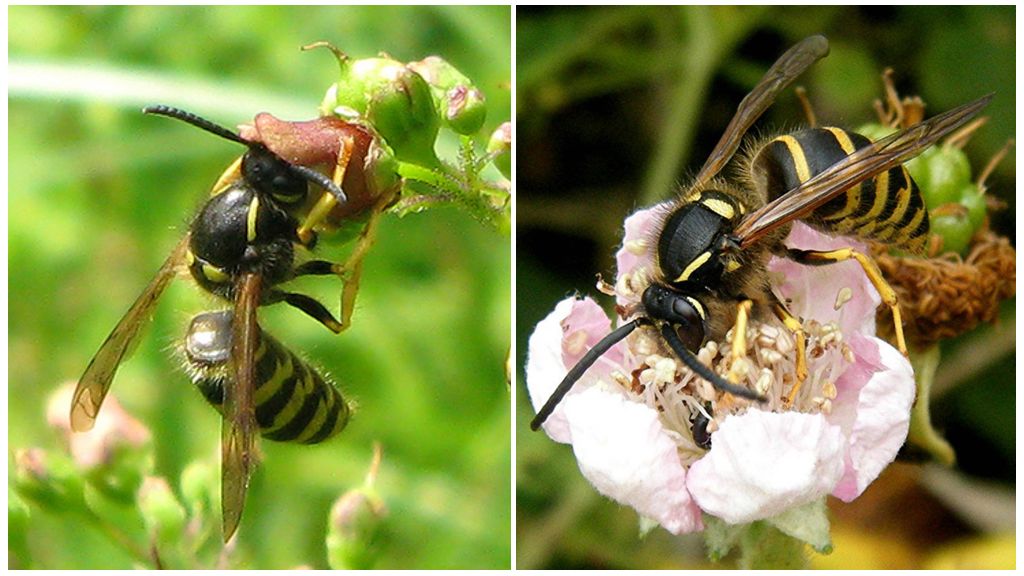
100,194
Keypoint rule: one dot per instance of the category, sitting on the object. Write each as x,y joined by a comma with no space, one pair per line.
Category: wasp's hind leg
327,201
815,258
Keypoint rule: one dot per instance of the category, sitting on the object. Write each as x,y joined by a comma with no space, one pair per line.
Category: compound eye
273,176
688,323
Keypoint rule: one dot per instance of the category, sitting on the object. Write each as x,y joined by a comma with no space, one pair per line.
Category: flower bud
115,454
394,99
354,530
200,488
52,482
459,102
501,144
163,515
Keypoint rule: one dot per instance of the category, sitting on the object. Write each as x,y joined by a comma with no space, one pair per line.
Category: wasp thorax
237,231
690,242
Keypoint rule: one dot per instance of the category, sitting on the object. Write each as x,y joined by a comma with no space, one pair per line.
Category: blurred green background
615,106
99,194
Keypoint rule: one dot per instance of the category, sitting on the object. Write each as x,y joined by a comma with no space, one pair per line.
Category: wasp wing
859,166
95,381
781,74
238,431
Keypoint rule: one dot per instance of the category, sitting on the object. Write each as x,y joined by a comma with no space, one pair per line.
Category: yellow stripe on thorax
693,266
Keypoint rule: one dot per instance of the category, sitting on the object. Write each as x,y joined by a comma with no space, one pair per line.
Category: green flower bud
354,530
946,171
50,481
200,488
952,223
459,102
395,100
163,515
973,199
115,455
501,143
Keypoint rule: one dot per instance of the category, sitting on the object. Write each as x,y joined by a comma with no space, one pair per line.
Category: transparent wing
238,431
95,382
863,164
781,74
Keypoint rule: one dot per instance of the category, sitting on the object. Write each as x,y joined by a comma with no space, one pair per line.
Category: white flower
629,416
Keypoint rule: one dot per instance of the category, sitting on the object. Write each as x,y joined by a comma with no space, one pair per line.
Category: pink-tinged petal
639,228
876,418
762,464
813,290
624,450
557,343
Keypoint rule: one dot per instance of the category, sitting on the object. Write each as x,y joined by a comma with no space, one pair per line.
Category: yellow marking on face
254,212
214,274
720,207
732,266
697,306
693,266
803,171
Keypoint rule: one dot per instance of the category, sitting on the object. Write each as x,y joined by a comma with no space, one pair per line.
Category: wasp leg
327,201
311,306
888,295
739,342
805,103
794,326
233,173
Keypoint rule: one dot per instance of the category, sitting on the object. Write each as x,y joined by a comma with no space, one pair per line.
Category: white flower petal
625,452
874,413
545,368
763,463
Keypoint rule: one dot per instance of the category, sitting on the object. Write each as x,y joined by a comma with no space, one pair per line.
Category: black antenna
703,371
197,121
577,371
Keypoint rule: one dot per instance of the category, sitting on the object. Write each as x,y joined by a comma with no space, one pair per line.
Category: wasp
716,237
242,246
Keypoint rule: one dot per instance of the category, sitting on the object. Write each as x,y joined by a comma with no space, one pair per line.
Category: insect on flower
714,240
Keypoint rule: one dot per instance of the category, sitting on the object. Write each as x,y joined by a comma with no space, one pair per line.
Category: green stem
922,433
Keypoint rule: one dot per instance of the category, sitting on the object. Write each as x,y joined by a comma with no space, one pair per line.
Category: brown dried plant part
946,296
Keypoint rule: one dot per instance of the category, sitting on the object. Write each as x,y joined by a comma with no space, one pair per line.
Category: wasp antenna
197,121
320,180
703,371
577,371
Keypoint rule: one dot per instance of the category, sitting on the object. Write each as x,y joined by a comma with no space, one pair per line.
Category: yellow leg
874,275
234,172
327,201
794,326
739,341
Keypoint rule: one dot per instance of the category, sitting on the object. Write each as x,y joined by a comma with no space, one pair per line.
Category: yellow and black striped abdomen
888,208
294,402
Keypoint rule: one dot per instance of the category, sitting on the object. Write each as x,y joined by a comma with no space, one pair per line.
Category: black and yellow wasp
717,235
242,246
